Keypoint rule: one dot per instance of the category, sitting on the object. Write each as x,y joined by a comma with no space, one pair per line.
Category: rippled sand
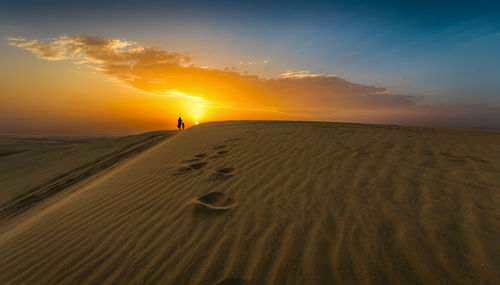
273,203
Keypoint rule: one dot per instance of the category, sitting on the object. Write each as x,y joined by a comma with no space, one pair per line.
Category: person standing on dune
179,123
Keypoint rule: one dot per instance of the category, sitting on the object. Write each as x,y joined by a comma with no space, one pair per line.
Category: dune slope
54,165
276,203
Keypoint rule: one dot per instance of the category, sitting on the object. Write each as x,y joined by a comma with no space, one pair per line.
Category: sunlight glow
196,123
195,110
194,105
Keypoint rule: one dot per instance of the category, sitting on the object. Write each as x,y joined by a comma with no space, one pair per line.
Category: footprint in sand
219,146
182,170
219,154
226,170
232,140
217,201
196,158
222,173
191,160
198,165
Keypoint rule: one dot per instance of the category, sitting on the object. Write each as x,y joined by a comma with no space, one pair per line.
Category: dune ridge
303,203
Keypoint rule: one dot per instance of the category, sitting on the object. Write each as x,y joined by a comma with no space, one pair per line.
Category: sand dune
88,159
274,203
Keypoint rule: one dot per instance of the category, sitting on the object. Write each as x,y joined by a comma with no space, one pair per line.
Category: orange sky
92,85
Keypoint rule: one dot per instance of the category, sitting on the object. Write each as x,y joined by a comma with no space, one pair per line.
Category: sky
120,67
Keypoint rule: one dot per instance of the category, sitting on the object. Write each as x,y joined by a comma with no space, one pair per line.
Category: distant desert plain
253,202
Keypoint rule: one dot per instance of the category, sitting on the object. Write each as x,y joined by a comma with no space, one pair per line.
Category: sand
272,203
33,169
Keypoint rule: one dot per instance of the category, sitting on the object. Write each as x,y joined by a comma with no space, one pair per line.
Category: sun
195,109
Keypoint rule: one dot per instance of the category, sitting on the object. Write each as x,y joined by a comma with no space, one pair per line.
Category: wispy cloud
294,73
258,62
297,94
52,51
98,50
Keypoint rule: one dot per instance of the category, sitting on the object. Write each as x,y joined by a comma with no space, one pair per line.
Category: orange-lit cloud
97,50
164,73
297,94
52,51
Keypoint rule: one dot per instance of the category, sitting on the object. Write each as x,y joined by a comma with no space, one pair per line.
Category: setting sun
196,123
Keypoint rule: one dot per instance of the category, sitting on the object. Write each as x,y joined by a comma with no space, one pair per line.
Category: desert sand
257,203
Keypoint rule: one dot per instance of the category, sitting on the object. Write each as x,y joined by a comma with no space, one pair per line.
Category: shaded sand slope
276,203
33,169
26,161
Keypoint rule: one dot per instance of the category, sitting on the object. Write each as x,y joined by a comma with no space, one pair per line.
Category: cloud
265,61
298,94
293,73
46,51
97,50
298,74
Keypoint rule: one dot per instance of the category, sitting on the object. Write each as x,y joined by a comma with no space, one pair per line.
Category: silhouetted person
183,125
179,123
